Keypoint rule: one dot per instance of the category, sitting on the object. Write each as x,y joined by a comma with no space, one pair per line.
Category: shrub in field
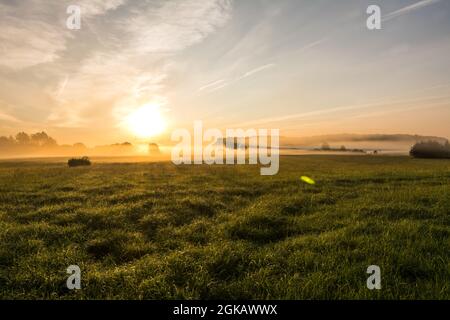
430,149
77,162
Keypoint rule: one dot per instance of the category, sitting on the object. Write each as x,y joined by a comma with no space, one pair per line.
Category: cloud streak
410,8
220,84
211,85
7,117
256,70
325,111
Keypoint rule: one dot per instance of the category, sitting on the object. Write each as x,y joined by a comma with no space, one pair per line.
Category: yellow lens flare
147,121
307,180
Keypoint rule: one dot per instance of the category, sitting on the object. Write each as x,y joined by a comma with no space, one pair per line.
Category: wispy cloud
7,117
330,110
211,85
25,44
217,85
407,9
62,86
220,84
33,32
256,70
131,67
312,45
171,26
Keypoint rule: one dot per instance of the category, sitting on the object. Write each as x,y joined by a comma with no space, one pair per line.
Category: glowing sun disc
146,121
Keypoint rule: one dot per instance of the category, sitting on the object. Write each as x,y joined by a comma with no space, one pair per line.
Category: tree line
40,139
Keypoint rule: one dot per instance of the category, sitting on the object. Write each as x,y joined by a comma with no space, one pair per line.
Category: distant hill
405,140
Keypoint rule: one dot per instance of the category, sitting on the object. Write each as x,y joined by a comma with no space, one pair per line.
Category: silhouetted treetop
430,149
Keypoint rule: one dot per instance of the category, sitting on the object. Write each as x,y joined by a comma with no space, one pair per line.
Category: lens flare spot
307,180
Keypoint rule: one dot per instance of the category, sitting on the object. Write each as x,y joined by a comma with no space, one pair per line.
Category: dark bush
430,149
77,162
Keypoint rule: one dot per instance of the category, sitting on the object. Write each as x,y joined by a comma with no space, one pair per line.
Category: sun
147,121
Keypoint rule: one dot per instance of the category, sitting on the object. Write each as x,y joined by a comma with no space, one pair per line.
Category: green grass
158,231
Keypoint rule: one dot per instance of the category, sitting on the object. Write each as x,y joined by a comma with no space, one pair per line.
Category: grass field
158,231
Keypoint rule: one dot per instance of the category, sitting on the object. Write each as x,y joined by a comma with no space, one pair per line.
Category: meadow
160,231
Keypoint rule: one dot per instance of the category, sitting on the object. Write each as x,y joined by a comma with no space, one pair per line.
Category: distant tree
153,149
50,142
42,139
79,145
23,138
343,148
123,144
430,149
326,146
39,138
4,141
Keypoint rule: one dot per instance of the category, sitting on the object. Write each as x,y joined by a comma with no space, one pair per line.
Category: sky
304,67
